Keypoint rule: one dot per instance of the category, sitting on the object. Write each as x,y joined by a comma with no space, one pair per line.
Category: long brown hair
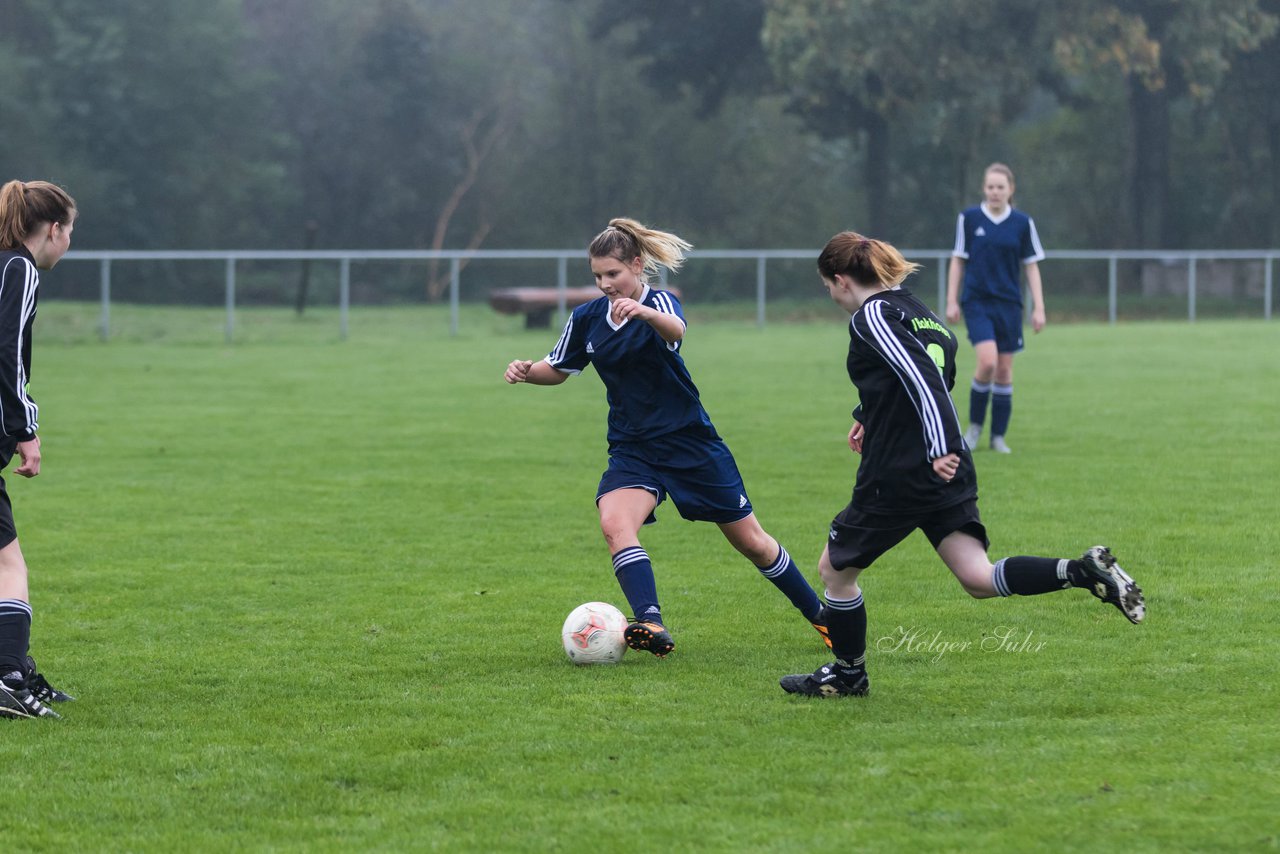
865,260
24,205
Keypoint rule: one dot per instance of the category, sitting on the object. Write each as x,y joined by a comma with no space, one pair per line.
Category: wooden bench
538,304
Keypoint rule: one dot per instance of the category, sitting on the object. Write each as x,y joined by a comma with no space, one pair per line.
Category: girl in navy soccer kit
661,441
36,220
994,244
916,471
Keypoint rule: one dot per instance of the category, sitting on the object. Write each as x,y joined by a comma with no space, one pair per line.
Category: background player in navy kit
36,219
661,440
994,243
916,471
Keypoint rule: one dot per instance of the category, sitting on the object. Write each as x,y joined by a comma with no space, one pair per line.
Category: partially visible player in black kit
916,471
36,219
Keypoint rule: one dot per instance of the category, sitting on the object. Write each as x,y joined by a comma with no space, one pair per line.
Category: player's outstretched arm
536,373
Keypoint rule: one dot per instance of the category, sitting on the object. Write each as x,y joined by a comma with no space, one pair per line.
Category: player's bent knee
978,592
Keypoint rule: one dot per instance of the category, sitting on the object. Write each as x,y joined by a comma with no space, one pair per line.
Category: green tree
146,114
1160,52
952,74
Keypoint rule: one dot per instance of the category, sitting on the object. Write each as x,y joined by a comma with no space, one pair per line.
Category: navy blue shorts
858,538
694,467
994,320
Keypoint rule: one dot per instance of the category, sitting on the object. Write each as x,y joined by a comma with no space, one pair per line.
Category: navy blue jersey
995,251
902,359
649,389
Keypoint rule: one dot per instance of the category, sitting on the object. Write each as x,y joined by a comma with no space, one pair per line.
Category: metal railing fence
562,257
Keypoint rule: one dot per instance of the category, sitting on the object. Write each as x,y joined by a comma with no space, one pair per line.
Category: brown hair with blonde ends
626,240
24,206
865,260
1000,169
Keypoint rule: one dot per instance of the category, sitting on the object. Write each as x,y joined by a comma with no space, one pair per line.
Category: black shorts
858,538
8,533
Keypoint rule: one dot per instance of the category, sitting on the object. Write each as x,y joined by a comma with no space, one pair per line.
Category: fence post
231,299
1112,290
562,284
455,271
1191,289
942,288
760,290
104,324
344,296
1266,289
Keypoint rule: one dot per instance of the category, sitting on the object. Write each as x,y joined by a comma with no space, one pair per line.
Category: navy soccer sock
635,576
1001,408
786,576
847,623
1029,576
979,396
15,635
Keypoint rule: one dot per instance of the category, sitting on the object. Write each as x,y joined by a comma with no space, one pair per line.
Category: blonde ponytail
626,239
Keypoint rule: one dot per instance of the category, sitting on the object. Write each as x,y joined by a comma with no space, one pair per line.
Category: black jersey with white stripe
902,359
19,281
649,389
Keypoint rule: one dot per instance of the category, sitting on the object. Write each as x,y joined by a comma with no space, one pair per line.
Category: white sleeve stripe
28,309
557,352
664,304
958,251
31,280
908,371
1036,248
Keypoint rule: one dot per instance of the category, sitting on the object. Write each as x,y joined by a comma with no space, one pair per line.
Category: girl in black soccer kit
36,219
661,440
916,471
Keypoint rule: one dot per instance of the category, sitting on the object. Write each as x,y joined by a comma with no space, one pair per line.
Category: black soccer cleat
649,637
40,687
16,701
829,680
1110,583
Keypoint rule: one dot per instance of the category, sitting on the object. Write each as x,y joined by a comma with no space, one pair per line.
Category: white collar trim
644,294
986,211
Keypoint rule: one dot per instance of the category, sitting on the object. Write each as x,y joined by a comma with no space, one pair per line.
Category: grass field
308,594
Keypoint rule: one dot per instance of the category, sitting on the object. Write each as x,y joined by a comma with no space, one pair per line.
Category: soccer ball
592,634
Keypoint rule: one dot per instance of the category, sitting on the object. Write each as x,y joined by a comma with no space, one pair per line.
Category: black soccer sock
15,635
786,576
847,623
1029,576
634,572
979,396
1001,408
